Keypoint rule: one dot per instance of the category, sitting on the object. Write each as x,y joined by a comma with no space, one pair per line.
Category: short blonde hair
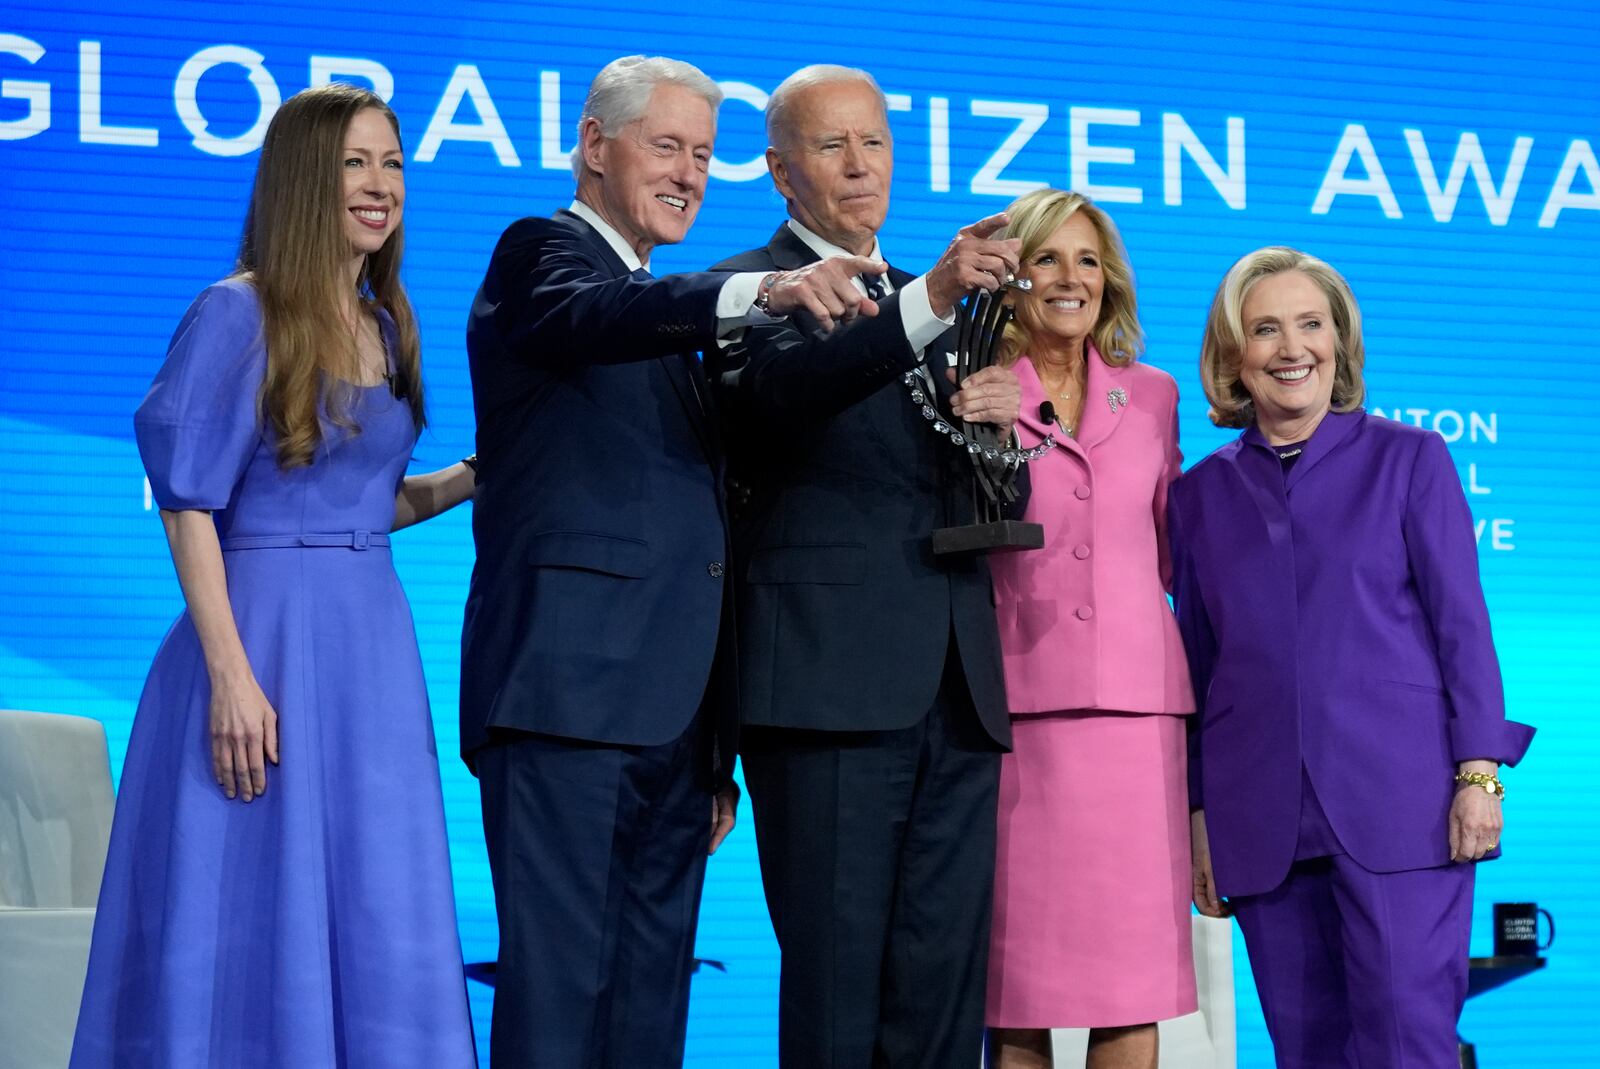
1034,217
1222,350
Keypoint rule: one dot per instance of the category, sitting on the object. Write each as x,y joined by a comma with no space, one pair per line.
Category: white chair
55,820
1203,1040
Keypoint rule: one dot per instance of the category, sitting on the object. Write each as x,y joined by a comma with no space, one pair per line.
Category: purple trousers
1359,969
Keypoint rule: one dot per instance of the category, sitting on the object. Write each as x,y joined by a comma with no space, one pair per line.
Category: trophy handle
982,329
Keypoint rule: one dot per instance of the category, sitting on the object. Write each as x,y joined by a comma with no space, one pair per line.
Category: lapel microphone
1047,412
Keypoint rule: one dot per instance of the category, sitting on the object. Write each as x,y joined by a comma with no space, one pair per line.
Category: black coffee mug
1516,929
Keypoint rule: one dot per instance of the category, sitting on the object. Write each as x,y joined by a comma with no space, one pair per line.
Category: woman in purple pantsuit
1343,767
300,916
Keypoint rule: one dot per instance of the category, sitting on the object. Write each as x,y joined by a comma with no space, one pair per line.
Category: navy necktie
875,287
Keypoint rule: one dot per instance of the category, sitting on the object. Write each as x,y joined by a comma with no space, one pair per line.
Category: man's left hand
724,806
992,395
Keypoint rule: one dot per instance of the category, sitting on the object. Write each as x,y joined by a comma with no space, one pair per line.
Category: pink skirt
1092,884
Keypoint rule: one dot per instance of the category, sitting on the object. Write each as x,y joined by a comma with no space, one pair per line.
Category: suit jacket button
714,569
1084,612
1081,492
1081,551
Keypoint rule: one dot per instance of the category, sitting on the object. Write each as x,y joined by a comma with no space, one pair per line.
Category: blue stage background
1443,159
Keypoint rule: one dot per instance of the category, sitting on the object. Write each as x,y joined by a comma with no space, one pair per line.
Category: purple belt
336,540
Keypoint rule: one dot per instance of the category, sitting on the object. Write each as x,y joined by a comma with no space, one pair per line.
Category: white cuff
736,303
916,315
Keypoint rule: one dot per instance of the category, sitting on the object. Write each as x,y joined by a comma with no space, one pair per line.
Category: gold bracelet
1488,781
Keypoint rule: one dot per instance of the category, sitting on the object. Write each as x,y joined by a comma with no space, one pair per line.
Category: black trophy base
1003,536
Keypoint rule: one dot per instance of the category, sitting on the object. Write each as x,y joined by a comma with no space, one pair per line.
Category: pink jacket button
1081,552
1084,612
1081,492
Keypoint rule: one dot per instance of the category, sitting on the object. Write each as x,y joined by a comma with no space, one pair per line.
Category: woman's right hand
244,736
1206,899
244,727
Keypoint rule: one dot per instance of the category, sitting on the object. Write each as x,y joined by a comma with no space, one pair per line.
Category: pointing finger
863,265
986,226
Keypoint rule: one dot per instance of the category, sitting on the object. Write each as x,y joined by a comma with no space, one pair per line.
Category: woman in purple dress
1343,776
277,891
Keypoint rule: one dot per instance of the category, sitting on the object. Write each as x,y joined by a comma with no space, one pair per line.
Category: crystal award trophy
995,464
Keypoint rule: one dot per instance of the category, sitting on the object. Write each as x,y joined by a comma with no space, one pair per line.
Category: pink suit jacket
1084,622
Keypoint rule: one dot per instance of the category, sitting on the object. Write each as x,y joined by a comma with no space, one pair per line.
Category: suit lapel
1105,398
683,369
692,378
600,246
788,251
689,380
1098,418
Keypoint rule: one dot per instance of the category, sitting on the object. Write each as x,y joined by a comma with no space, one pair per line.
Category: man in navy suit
874,709
598,701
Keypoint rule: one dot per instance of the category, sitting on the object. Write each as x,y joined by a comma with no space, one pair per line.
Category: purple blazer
1333,620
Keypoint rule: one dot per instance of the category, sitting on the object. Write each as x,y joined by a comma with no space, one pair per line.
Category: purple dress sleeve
198,426
1444,564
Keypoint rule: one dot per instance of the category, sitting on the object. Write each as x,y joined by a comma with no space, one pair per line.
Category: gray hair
782,99
621,92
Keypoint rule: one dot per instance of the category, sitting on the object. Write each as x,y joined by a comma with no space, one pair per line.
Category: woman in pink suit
1352,721
1091,914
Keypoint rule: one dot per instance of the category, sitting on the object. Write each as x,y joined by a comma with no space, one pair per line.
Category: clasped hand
990,395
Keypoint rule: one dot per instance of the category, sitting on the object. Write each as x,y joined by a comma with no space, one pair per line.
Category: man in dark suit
598,700
874,709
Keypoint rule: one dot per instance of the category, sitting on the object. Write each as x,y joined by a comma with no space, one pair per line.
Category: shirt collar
624,251
822,246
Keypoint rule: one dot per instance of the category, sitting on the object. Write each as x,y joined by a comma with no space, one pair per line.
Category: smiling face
374,184
649,180
1290,354
1069,285
835,166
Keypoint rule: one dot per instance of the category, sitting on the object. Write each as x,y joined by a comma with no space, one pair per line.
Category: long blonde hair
1034,217
296,253
1222,349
